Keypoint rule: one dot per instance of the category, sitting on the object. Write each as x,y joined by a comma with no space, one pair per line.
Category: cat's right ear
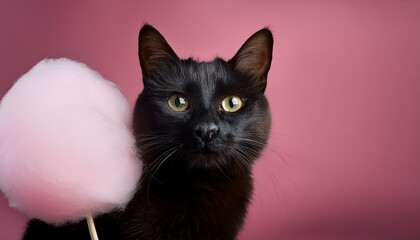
154,50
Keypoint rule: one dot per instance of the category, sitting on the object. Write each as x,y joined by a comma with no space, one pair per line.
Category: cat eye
232,103
178,103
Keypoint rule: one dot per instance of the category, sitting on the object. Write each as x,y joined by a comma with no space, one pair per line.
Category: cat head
202,114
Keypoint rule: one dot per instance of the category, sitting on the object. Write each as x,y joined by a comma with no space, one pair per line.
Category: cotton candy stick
66,146
92,228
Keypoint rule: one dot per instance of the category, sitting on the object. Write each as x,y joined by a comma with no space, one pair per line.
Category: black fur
192,187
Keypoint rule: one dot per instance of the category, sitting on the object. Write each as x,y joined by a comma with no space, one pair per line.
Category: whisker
223,172
168,153
273,180
244,151
268,147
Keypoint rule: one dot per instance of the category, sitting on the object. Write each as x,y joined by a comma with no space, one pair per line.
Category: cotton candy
66,145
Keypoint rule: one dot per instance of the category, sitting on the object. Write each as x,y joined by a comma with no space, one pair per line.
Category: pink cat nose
206,131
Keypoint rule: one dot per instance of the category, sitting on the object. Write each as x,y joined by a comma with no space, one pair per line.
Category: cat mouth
211,150
206,150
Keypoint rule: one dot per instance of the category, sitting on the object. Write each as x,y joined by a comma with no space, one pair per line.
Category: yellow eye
232,103
178,103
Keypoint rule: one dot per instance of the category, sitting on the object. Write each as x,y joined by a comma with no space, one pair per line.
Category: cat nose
206,131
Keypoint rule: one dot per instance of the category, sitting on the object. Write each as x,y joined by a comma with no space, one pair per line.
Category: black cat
199,127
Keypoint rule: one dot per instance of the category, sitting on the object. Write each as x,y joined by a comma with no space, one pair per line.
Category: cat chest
201,212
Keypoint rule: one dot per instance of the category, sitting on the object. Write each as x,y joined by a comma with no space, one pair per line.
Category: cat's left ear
254,57
154,50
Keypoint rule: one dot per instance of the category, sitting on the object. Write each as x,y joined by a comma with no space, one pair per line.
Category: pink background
344,90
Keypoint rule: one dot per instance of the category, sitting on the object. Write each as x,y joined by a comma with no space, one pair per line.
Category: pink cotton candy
66,146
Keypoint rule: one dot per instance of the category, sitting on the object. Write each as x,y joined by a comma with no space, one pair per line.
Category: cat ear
254,57
154,50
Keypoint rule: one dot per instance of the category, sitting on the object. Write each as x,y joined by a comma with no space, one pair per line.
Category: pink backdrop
344,90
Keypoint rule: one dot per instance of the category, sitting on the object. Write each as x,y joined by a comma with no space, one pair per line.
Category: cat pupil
233,102
179,102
